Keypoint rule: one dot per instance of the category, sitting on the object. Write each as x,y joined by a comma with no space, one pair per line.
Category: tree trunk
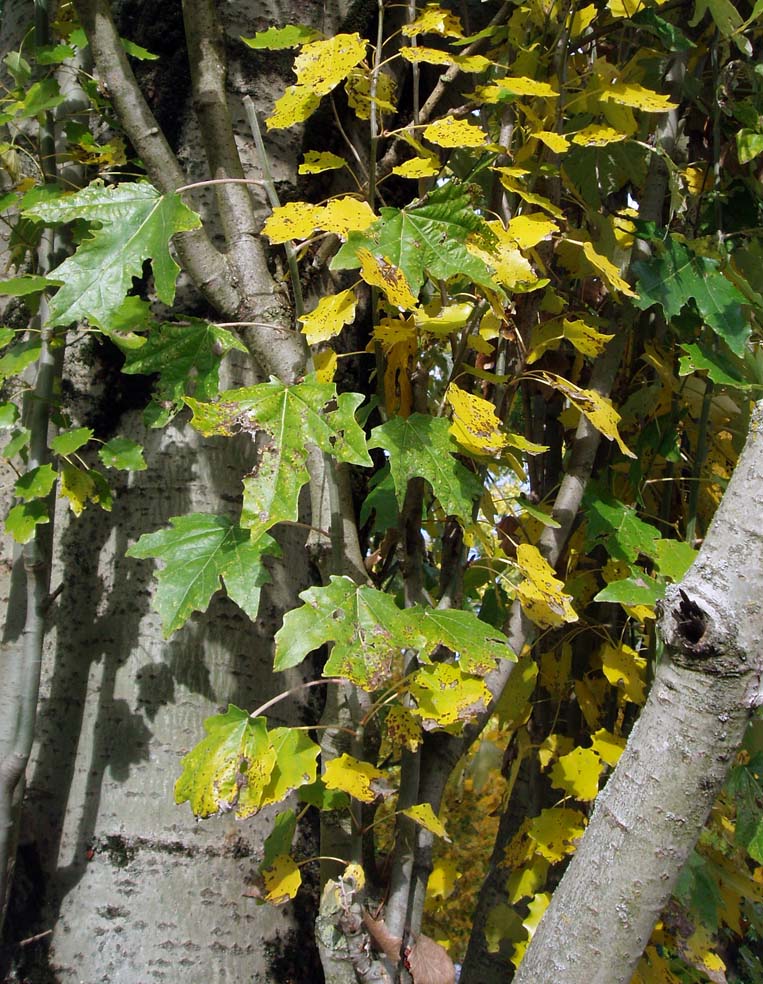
650,814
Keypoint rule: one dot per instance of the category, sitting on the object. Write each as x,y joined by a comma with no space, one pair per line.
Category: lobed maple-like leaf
130,223
422,446
290,418
198,551
618,527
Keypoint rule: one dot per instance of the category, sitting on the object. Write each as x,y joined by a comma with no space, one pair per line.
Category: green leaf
136,51
70,441
53,54
9,414
229,769
719,369
638,590
121,452
316,794
36,483
278,38
427,238
280,837
29,284
674,276
186,357
19,356
24,518
295,764
674,558
18,441
749,145
478,644
293,417
38,98
422,446
669,35
745,783
198,550
618,527
6,335
132,223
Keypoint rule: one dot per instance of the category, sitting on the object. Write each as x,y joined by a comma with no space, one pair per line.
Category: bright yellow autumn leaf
555,142
294,106
530,229
452,317
510,183
329,317
607,269
418,167
577,773
315,162
627,8
582,19
597,408
295,220
556,832
445,696
282,879
475,425
535,909
637,97
345,215
516,86
434,19
609,747
424,815
391,279
321,65
598,135
450,132
626,670
401,730
357,85
325,364
443,879
541,593
525,882
352,776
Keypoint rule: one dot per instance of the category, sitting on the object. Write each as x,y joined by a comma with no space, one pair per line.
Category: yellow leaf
391,279
418,167
521,443
450,132
541,594
295,220
535,909
556,832
294,106
516,86
556,670
314,162
582,19
345,215
607,269
76,486
398,339
550,334
445,696
513,708
698,179
609,747
325,365
511,269
443,879
401,730
352,776
627,8
597,409
511,184
329,317
623,228
552,747
597,135
358,88
452,317
554,141
424,815
526,881
434,56
475,424
434,19
591,697
577,773
321,65
637,97
282,879
626,670
529,230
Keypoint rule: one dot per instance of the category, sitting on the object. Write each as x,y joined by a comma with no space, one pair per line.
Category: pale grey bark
650,814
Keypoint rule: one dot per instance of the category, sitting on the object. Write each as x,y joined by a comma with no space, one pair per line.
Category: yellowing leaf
529,230
510,183
516,86
556,142
597,135
452,317
607,269
352,776
556,832
525,882
445,696
626,670
541,594
294,106
314,162
535,909
424,815
582,19
358,88
432,56
698,179
282,879
77,486
329,316
345,215
548,335
443,879
401,730
698,951
321,65
511,269
637,97
450,132
380,273
627,8
609,747
597,409
418,167
475,424
552,747
433,19
577,773
325,364
295,220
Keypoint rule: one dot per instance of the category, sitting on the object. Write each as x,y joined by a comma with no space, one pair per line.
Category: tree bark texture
651,812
